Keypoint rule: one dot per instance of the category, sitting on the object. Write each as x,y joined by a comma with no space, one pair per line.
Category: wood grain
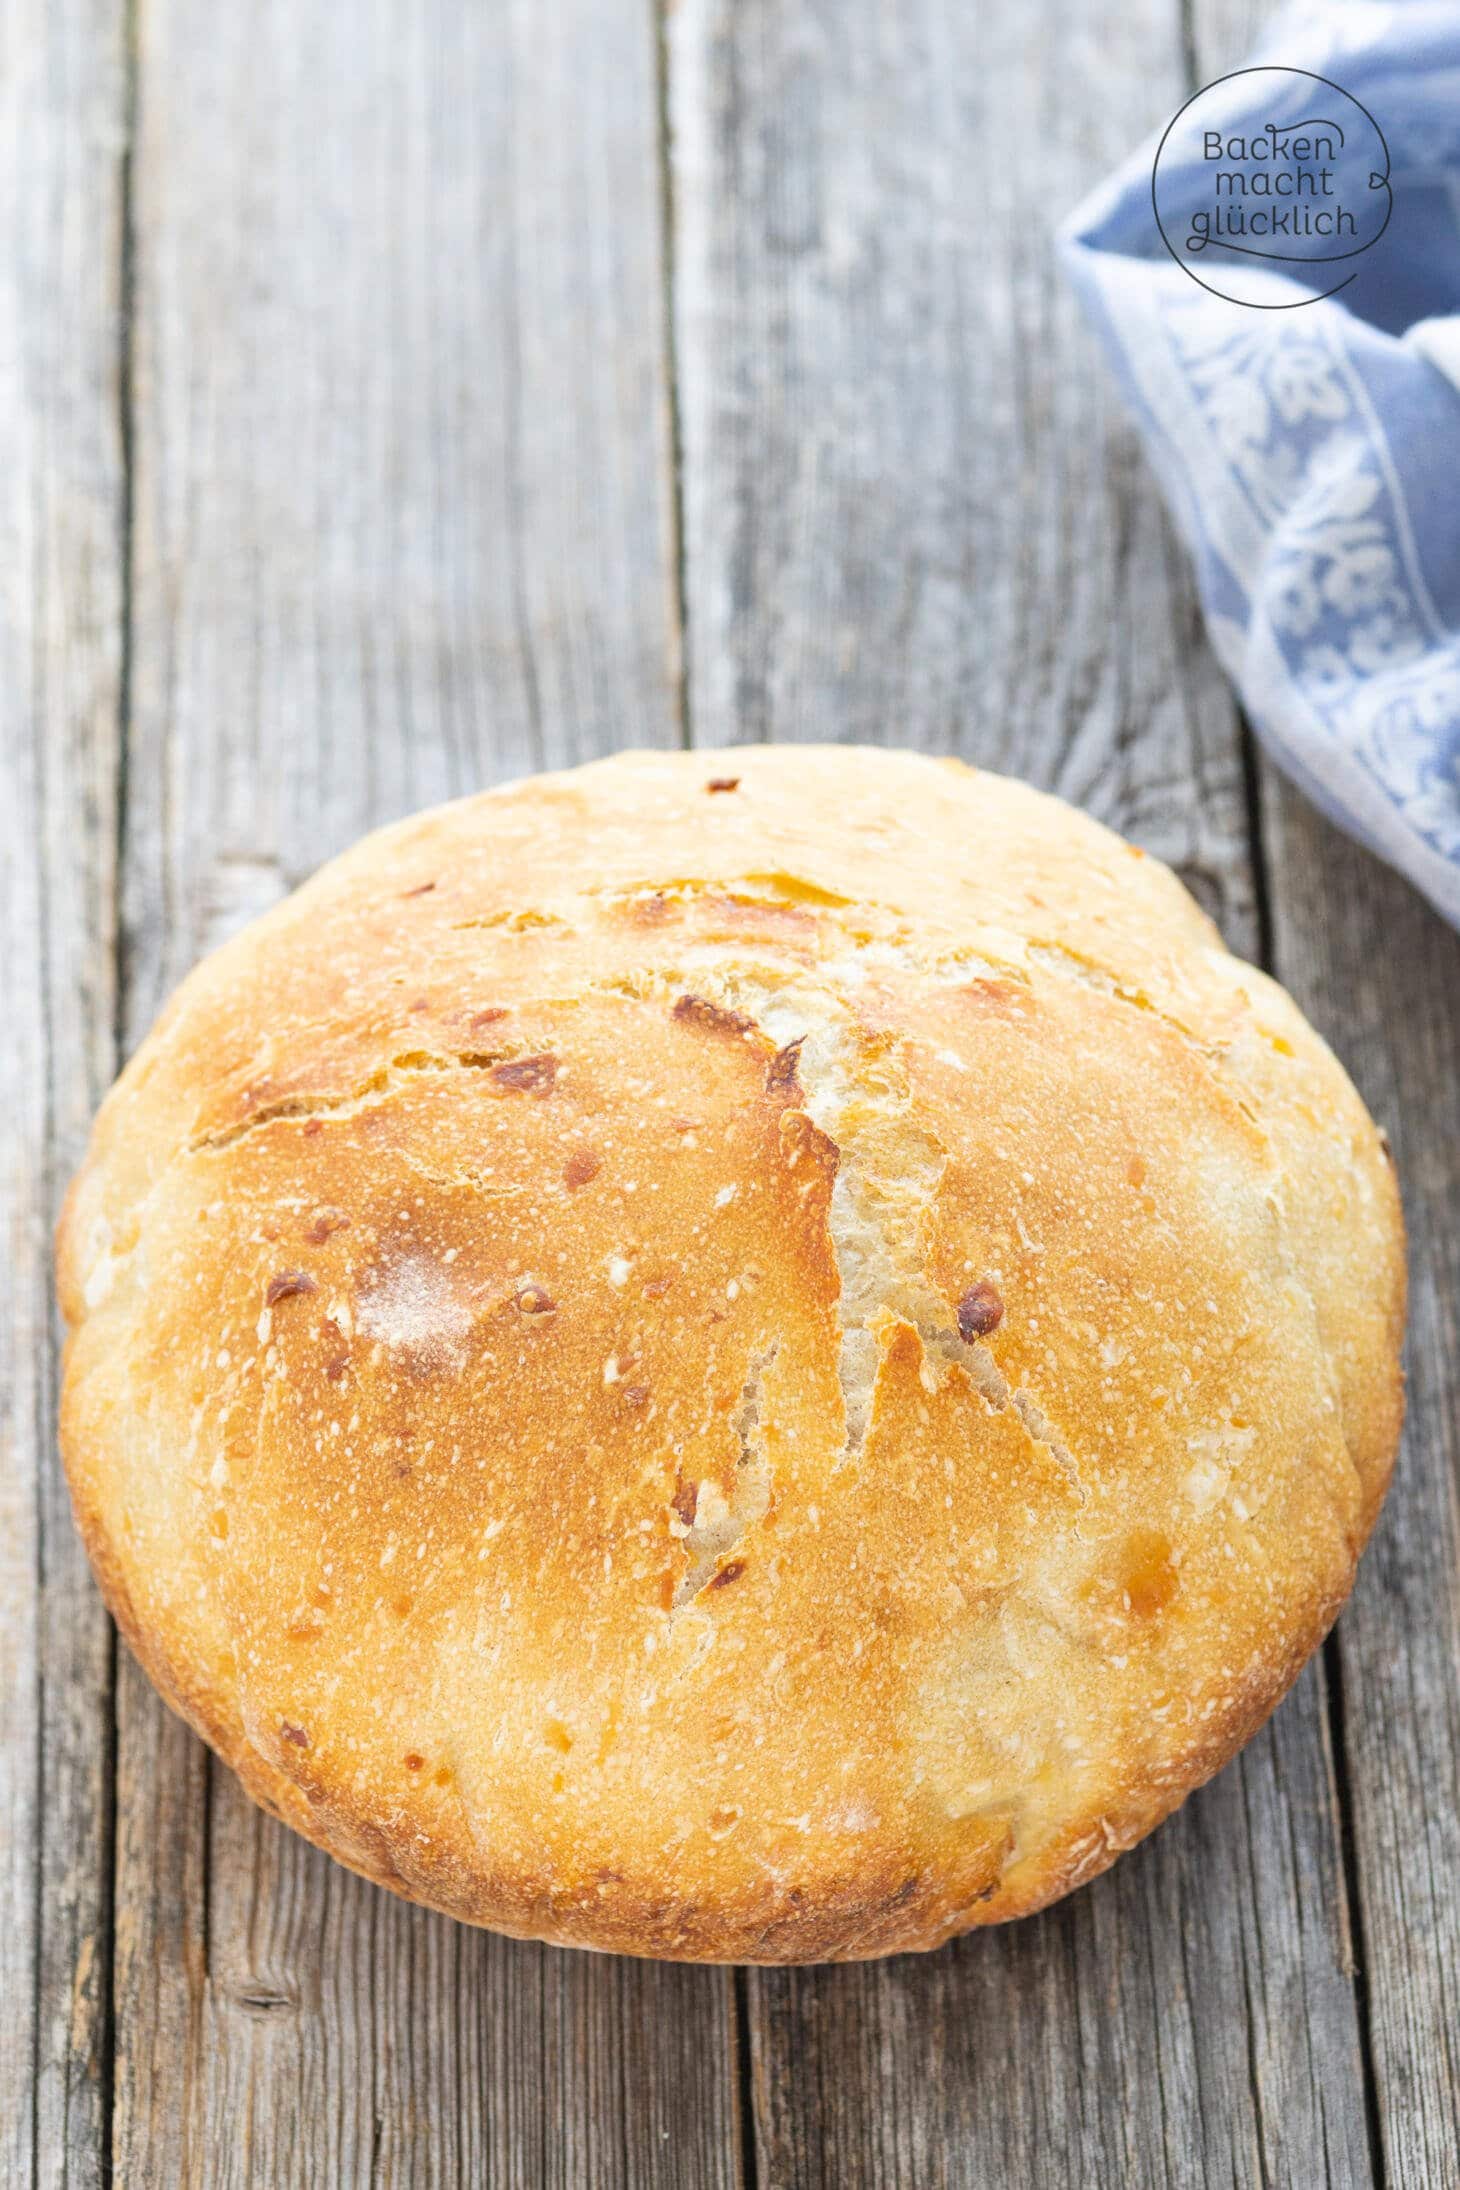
402,526
912,514
61,536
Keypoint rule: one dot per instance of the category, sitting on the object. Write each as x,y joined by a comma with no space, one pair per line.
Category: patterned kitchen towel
1311,450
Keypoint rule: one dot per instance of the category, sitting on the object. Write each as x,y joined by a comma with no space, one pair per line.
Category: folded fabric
1312,455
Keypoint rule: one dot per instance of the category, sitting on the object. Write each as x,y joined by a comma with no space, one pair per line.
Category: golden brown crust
764,1373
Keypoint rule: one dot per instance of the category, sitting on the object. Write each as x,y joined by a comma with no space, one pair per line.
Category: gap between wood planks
121,973
659,11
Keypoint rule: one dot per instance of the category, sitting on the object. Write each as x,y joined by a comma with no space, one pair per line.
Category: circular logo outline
1292,304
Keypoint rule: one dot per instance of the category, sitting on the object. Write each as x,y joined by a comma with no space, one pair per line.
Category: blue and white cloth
1312,456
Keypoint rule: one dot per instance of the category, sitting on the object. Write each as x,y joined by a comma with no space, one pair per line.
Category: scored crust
763,1355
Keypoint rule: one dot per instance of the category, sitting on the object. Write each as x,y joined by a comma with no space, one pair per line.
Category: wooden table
401,395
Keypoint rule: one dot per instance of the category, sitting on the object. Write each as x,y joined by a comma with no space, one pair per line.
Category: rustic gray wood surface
62,554
394,399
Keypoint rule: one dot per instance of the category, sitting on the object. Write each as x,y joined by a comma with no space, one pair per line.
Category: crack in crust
715,1524
407,1065
854,1089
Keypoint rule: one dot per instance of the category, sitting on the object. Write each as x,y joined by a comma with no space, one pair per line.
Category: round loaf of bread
762,1355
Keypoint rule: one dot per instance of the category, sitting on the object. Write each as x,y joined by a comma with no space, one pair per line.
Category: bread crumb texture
745,1362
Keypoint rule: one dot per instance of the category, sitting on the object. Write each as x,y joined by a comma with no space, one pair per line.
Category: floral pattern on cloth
1312,456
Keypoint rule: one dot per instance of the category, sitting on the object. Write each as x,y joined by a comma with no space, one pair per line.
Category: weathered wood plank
62,93
912,513
402,527
1380,976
